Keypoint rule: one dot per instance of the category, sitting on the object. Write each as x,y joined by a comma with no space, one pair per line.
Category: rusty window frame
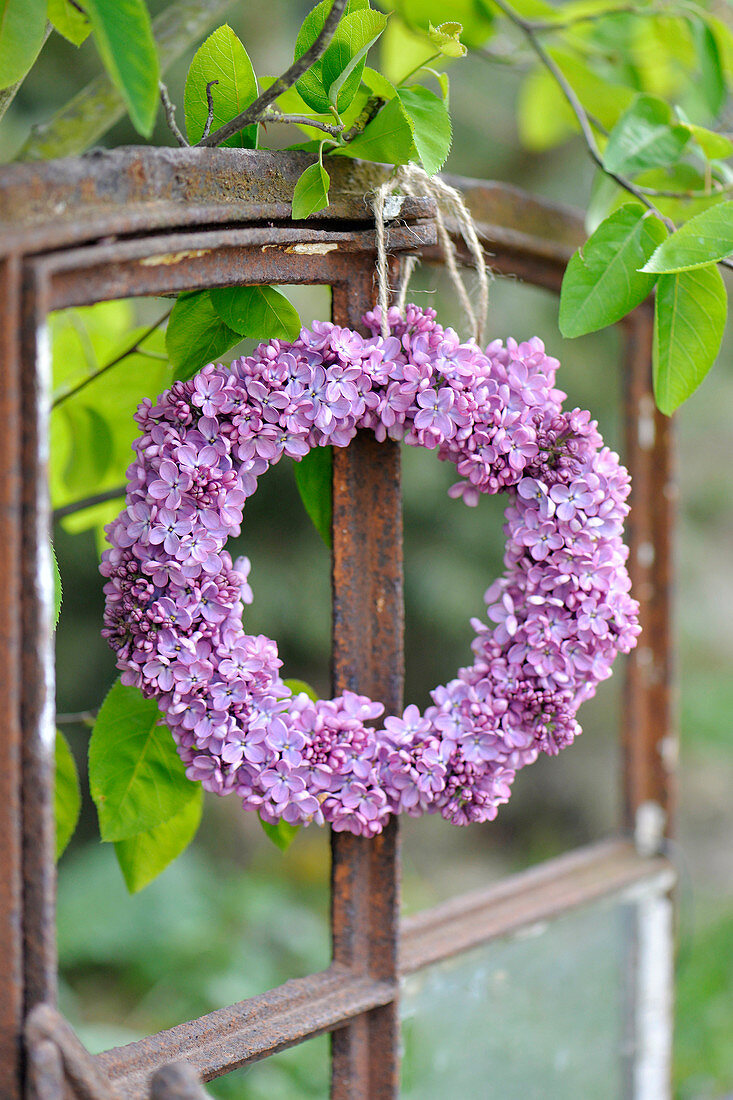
135,222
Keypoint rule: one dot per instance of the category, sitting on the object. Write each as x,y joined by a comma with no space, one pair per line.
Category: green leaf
602,281
222,57
69,21
22,27
298,686
66,794
689,321
92,445
136,778
378,85
142,857
712,79
358,28
313,476
700,241
57,589
446,38
311,192
715,146
282,835
475,19
431,126
196,334
347,53
389,137
124,38
260,312
644,137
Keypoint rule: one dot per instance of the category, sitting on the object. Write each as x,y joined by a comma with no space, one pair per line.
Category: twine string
412,180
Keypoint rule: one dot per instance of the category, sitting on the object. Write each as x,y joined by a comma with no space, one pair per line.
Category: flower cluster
556,619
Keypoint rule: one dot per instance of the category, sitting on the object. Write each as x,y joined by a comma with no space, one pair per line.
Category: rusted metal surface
648,729
81,1074
248,1031
539,894
37,698
176,1082
161,265
367,657
11,586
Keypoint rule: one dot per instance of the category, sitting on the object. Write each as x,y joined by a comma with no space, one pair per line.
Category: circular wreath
556,619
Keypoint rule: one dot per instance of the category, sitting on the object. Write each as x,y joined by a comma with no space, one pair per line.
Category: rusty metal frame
154,221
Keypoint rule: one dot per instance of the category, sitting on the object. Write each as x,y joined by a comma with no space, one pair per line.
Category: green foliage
414,126
223,58
431,126
645,137
689,321
311,192
57,588
136,777
22,27
66,794
196,334
124,38
69,21
143,856
467,21
699,242
260,312
298,686
333,81
313,476
602,282
282,834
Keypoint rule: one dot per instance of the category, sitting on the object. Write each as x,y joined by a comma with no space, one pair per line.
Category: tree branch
88,502
210,101
170,115
274,114
112,363
252,114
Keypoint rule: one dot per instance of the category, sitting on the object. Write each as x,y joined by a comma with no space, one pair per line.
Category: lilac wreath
558,616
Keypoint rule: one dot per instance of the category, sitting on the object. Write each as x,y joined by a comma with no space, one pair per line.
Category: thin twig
170,115
210,101
84,717
372,106
88,502
273,114
287,80
540,27
112,363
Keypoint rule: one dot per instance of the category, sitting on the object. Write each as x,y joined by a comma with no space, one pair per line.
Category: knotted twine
411,180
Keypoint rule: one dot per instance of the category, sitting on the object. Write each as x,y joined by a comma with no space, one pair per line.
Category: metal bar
248,1031
540,894
11,951
368,620
648,725
218,258
37,698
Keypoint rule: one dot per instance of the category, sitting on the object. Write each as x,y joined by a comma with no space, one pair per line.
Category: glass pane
548,1013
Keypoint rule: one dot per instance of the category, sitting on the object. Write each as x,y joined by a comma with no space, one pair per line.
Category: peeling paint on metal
171,258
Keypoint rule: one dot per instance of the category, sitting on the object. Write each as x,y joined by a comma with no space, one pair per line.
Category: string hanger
449,203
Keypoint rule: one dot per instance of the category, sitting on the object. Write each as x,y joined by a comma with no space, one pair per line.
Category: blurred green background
234,916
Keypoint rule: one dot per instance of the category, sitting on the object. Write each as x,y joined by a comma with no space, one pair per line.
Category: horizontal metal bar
539,894
248,1031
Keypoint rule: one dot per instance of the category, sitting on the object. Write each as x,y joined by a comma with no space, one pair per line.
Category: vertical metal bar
367,657
649,733
11,935
37,698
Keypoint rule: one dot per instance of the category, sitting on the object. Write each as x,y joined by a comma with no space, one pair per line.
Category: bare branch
88,502
273,114
252,114
170,115
210,101
113,362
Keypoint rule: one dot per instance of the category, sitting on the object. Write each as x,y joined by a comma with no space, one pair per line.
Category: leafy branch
253,114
